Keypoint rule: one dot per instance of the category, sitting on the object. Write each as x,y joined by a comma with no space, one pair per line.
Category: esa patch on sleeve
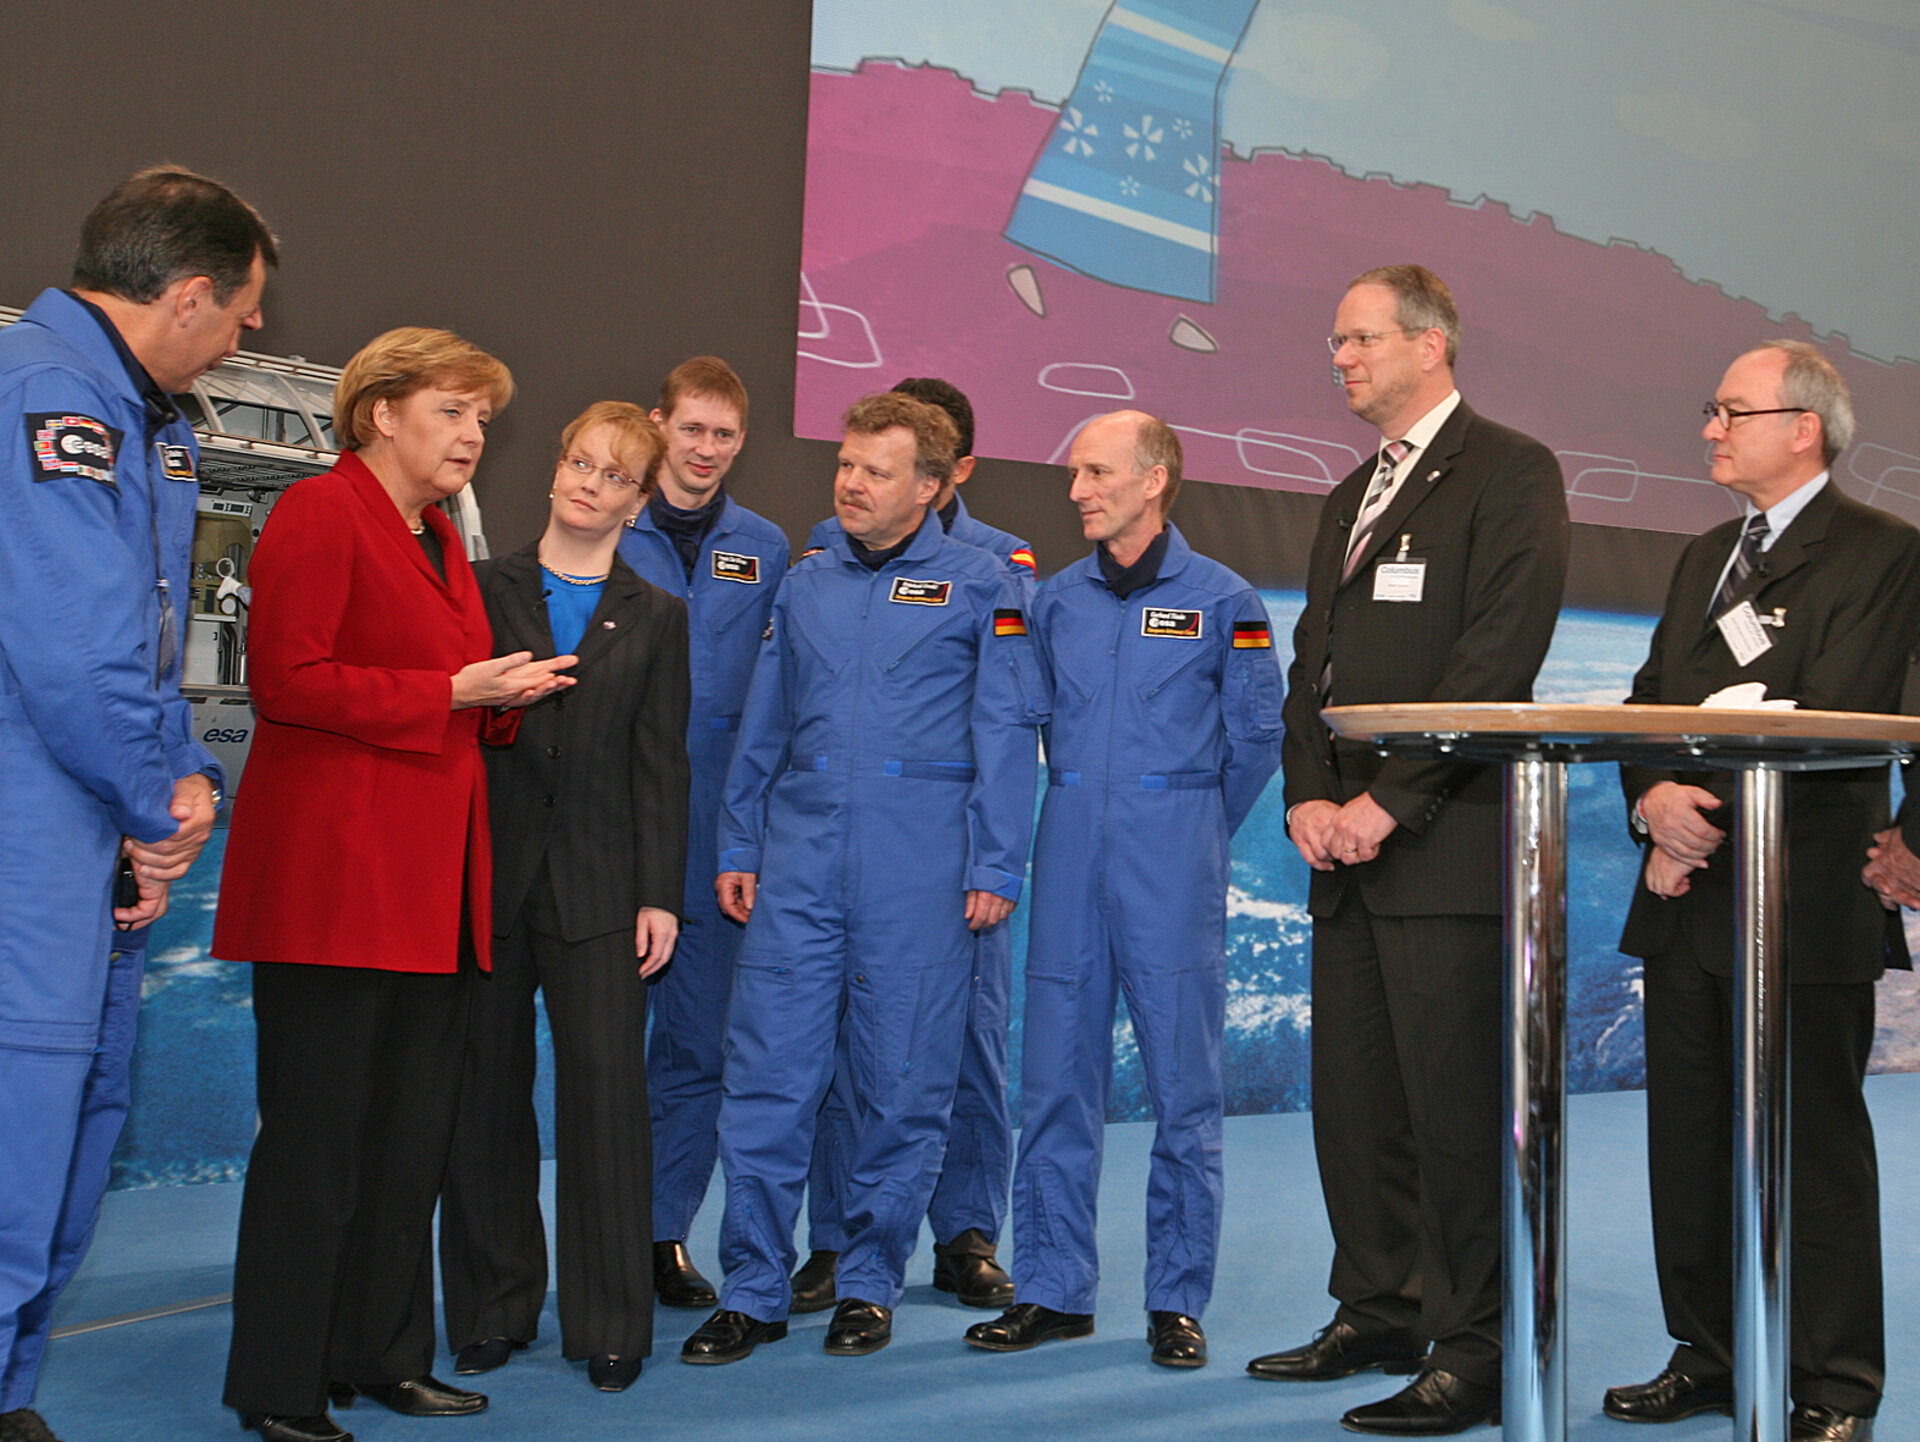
727,566
1252,636
920,593
1179,625
64,444
1007,621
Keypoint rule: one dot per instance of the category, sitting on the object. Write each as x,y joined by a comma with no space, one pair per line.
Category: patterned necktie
1391,454
1744,561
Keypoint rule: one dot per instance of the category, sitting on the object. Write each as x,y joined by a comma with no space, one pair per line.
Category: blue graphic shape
1127,187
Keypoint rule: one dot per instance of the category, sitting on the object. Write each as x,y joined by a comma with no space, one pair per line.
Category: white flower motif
1145,138
1078,128
1183,128
1129,187
1103,91
1201,186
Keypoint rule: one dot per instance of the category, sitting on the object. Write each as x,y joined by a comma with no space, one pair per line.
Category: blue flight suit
972,1190
886,767
1165,728
96,516
741,563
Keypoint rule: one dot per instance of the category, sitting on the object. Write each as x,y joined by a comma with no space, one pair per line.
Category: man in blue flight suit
970,1199
1165,701
695,540
97,758
878,811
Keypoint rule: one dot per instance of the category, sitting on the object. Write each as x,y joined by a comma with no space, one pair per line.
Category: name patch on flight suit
1180,625
920,593
72,445
730,567
176,463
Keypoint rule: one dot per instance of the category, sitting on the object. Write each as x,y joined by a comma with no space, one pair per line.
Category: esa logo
223,736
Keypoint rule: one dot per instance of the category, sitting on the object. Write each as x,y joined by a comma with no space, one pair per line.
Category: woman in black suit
589,807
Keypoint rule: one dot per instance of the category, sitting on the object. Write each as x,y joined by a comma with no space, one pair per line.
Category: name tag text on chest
920,593
1178,625
730,567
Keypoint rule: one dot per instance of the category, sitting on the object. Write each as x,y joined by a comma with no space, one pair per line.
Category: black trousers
1836,1344
1406,1126
493,1250
358,1075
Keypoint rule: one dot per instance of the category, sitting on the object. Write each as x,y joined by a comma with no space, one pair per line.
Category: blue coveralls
972,1190
742,561
1165,727
886,767
94,510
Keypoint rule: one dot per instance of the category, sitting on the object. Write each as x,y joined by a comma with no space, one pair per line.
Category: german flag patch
1252,636
1024,557
1009,622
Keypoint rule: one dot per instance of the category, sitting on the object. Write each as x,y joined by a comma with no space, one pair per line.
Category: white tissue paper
1747,696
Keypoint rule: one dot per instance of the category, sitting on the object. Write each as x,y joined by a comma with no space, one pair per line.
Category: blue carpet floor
161,1378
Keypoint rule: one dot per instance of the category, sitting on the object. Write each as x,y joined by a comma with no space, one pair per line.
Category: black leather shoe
613,1374
1028,1324
1177,1339
485,1355
813,1284
859,1328
676,1281
1667,1398
966,1267
1828,1424
1339,1350
727,1337
415,1397
1434,1404
319,1428
26,1425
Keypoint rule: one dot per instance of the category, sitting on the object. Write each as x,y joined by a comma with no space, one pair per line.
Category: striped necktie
1391,454
1744,561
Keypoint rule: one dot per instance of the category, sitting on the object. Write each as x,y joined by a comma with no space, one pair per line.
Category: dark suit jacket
1485,509
1846,579
596,778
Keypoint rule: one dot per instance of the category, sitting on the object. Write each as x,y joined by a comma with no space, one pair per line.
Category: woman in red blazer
357,880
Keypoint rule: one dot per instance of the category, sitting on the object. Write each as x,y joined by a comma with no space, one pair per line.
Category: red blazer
365,803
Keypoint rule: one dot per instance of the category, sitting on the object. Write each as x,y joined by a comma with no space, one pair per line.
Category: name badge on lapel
730,567
920,593
1743,633
1400,581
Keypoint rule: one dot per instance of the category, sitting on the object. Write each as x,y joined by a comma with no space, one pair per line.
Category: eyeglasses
1727,415
619,480
1364,339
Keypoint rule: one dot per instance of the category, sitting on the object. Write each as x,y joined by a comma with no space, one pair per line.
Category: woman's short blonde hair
637,442
393,366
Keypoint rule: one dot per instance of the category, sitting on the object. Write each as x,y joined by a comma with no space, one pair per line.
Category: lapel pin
606,625
1433,475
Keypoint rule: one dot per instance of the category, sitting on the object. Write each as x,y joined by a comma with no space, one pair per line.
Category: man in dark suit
1436,576
1817,597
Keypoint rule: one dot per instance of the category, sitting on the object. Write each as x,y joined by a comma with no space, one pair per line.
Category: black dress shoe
1667,1398
727,1337
813,1284
1434,1404
319,1428
676,1281
485,1355
859,1328
613,1374
26,1425
966,1267
1028,1324
1828,1424
1177,1339
1339,1350
415,1397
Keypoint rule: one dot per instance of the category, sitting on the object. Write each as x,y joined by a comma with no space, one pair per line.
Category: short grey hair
1813,383
1422,301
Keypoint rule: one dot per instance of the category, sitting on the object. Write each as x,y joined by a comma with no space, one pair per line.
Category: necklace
575,580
